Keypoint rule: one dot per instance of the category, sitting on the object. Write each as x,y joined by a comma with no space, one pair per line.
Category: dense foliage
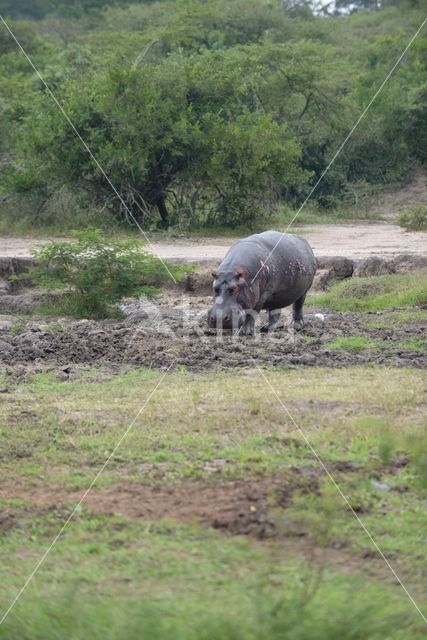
205,112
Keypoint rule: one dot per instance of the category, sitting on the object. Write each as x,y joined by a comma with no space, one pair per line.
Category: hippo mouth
220,320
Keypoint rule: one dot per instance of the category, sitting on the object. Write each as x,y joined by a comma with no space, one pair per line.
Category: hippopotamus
268,270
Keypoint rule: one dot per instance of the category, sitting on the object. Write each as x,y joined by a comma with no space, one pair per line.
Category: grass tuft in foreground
326,613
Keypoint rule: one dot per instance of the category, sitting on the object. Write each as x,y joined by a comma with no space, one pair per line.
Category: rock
373,266
406,262
9,318
342,267
12,266
305,358
7,322
381,486
331,269
322,279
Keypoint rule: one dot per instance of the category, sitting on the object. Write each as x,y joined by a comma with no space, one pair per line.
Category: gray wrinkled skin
251,278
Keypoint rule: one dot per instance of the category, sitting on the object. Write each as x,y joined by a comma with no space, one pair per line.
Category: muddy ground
174,333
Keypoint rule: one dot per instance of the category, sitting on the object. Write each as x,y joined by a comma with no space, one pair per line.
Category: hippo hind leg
273,321
297,315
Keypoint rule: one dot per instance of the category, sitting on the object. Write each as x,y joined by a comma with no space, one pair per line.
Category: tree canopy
205,112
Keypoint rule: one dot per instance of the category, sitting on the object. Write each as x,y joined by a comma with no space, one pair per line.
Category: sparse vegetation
398,319
414,218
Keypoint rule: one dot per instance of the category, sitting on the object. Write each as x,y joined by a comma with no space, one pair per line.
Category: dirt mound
7,521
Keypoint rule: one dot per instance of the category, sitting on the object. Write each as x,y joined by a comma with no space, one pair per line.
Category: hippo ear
214,274
240,272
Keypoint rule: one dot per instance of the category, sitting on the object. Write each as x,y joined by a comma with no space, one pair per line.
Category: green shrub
96,272
414,218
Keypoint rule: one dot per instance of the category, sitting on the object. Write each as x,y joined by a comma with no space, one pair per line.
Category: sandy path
350,240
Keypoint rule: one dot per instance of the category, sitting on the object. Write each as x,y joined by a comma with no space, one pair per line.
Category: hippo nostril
226,318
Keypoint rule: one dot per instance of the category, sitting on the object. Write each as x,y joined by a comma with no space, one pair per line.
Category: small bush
414,218
96,272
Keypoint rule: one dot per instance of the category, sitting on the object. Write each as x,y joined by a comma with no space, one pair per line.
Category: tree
158,128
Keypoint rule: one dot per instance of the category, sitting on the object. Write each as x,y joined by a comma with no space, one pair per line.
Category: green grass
313,214
61,423
356,344
412,344
350,343
334,613
375,293
116,575
396,319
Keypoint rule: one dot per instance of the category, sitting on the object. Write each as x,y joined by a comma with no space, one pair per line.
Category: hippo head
230,299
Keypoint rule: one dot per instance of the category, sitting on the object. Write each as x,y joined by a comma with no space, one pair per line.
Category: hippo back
273,247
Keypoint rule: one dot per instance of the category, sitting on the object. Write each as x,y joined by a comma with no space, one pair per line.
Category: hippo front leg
273,321
248,326
297,315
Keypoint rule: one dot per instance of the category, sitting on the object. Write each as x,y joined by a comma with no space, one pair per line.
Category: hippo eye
232,290
216,290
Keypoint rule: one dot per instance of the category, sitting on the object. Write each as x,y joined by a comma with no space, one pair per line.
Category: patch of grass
76,422
354,344
375,293
412,344
397,319
312,213
17,328
53,327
